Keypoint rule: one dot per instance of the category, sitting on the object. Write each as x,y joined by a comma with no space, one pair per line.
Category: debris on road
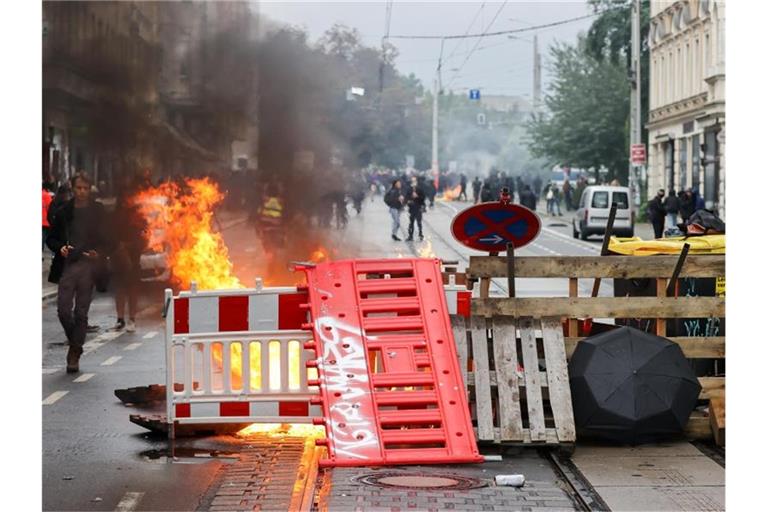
510,480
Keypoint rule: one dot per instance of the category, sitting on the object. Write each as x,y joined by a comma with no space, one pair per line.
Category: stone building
128,85
686,122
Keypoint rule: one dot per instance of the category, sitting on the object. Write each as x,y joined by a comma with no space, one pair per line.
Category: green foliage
587,106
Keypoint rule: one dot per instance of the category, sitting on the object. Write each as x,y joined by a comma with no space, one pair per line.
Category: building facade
686,121
124,88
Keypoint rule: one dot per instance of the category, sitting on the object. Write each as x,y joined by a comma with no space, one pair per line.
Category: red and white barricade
238,356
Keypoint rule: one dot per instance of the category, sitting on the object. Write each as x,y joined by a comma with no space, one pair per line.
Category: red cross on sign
490,226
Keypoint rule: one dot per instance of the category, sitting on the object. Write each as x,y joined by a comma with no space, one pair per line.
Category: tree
610,38
587,106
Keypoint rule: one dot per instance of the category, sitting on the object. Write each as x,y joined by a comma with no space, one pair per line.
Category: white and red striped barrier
208,332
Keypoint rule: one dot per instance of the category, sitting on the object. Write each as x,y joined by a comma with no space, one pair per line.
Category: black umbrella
631,386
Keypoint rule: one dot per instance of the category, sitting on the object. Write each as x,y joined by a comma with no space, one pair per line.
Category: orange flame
319,255
180,224
451,194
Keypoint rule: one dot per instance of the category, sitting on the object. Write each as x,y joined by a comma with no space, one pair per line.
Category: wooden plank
573,291
482,379
661,291
532,383
694,347
624,267
557,376
602,307
549,439
520,379
460,278
717,419
712,387
698,426
505,357
459,328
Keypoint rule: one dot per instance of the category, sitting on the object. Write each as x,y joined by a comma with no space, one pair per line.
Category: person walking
657,213
415,203
128,228
528,198
463,185
687,204
672,207
394,199
568,195
77,239
476,186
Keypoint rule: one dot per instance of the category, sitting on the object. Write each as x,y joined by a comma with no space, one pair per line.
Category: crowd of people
666,212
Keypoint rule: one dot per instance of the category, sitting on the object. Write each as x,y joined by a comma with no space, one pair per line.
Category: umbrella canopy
631,386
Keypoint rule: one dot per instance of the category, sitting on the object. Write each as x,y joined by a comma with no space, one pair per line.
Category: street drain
420,481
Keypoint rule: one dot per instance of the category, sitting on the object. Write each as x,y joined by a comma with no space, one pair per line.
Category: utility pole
435,115
636,171
536,74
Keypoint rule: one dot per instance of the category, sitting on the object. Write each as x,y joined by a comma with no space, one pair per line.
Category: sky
498,65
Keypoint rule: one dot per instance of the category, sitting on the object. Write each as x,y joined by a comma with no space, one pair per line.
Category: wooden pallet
515,402
657,309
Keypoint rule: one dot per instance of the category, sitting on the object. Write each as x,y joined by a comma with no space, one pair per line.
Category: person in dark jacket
78,240
672,207
128,227
395,200
528,198
656,213
687,204
463,193
415,203
476,186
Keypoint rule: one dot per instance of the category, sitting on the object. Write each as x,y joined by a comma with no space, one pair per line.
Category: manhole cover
420,481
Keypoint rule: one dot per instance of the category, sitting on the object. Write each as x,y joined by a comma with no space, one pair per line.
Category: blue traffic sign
474,94
491,226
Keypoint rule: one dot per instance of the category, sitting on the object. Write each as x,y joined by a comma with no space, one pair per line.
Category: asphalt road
95,459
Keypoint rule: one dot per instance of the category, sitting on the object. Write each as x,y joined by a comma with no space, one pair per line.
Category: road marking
573,241
129,502
84,377
54,397
133,346
48,371
546,249
112,360
149,335
101,340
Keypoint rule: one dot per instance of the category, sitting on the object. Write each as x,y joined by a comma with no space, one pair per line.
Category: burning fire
319,255
180,224
451,194
284,429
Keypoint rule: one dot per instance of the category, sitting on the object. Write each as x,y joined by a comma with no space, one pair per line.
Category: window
600,200
583,201
683,163
621,200
695,167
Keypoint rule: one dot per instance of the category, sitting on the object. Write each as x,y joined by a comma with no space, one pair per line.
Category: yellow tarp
707,244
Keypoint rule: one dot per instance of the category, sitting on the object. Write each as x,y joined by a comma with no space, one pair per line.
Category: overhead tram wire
502,32
471,24
474,48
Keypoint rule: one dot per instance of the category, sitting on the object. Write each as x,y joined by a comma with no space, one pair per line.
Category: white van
594,207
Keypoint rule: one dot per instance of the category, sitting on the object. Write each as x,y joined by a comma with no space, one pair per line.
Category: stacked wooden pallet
573,307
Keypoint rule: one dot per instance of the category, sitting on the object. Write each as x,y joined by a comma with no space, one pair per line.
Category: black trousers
75,288
414,216
658,227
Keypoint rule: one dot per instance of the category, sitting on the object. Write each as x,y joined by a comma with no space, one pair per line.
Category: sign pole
511,268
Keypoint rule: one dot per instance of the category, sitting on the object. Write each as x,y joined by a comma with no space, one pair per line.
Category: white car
594,208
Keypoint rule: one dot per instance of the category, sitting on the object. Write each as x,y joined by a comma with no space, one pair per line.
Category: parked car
595,206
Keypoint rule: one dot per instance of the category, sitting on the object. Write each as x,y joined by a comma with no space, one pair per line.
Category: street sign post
491,226
637,154
474,94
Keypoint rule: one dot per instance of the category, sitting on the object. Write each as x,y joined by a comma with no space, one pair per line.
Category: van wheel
573,226
583,234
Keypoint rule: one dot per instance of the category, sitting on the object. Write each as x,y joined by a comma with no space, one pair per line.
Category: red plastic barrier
390,383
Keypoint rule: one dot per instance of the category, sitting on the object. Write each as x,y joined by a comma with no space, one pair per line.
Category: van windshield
621,200
600,200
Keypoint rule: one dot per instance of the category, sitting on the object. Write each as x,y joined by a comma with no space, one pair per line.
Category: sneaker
92,328
130,326
119,325
396,239
421,237
409,239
